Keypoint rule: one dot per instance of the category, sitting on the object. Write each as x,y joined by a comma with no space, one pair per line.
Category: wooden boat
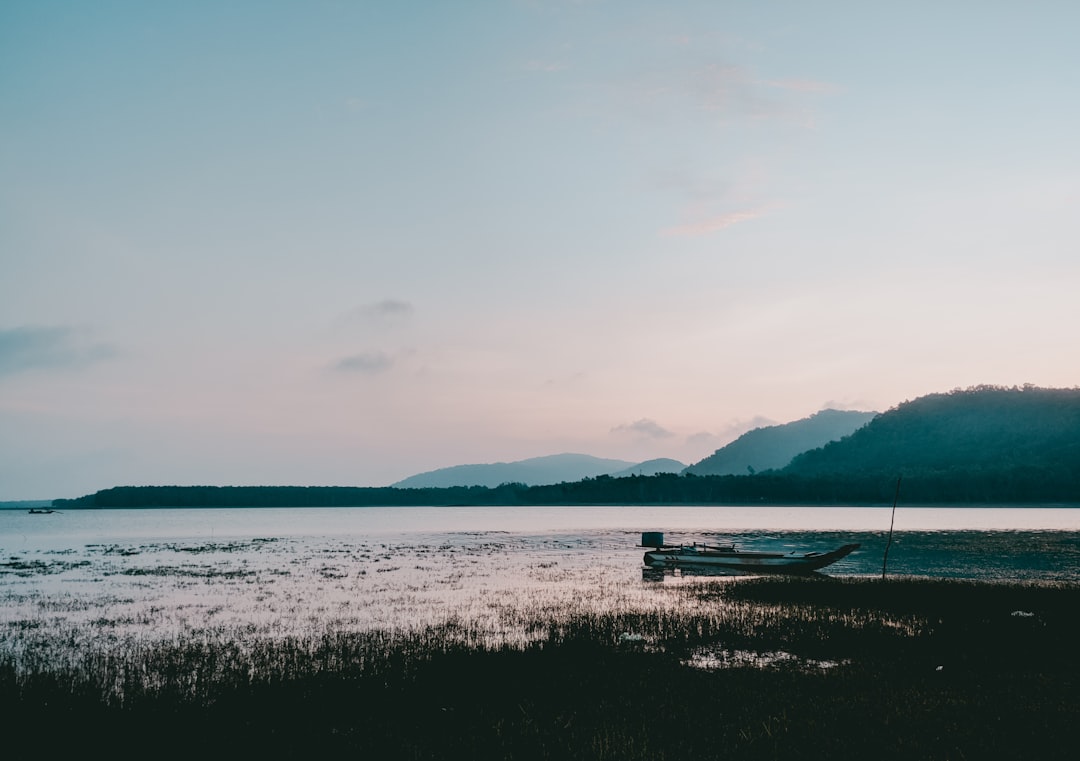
728,557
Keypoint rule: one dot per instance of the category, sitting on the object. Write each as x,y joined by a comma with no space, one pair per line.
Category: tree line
1016,486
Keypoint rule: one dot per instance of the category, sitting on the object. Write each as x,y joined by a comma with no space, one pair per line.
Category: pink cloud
803,85
644,427
712,224
726,88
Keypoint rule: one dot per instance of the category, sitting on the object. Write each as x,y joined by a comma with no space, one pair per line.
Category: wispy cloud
392,309
666,92
701,438
644,427
734,90
386,313
712,224
728,433
565,380
49,347
737,428
714,91
365,363
690,182
856,405
810,86
721,93
730,89
376,318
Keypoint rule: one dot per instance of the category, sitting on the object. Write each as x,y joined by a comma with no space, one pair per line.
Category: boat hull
749,562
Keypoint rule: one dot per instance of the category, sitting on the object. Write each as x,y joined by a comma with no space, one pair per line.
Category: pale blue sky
346,242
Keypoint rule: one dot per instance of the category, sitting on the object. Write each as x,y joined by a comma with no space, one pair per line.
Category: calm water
120,574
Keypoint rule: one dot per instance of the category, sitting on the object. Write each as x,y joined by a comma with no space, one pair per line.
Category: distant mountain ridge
651,468
535,471
767,448
773,447
25,504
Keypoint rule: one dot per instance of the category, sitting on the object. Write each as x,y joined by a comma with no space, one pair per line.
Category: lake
109,575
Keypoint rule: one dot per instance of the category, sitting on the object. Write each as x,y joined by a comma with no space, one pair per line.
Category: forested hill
983,431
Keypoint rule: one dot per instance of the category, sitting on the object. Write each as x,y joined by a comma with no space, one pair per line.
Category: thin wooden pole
892,522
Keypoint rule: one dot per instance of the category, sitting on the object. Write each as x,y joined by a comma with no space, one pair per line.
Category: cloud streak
48,347
365,363
644,427
712,224
387,309
391,308
728,433
385,313
724,91
810,86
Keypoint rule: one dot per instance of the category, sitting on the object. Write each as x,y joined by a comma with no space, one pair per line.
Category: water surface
162,573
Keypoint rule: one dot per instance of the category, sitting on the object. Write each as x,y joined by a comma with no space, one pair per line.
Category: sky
347,242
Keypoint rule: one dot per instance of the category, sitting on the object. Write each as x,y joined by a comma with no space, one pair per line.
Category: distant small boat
36,511
728,557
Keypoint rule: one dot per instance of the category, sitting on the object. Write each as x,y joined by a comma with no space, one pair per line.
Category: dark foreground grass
923,670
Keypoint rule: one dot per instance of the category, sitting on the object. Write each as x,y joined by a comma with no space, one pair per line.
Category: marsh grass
916,669
31,568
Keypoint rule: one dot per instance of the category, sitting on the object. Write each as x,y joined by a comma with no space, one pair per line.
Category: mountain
552,469
774,446
990,432
651,468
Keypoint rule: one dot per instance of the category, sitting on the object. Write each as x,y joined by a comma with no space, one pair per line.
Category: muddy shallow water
112,575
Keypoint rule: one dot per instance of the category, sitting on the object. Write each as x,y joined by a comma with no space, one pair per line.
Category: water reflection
286,583
652,574
659,573
265,578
